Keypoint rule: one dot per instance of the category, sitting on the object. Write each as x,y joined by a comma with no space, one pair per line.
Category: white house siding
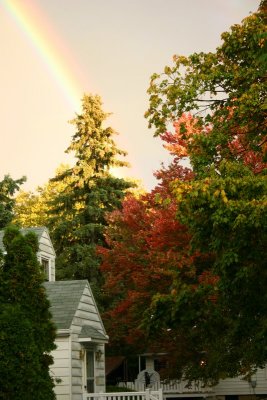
46,250
241,387
76,366
86,314
61,369
89,312
100,380
75,313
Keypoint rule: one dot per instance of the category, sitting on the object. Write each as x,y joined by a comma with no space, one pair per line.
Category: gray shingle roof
37,230
90,332
64,297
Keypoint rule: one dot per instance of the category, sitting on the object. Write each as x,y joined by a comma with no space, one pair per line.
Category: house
240,389
227,389
46,253
79,359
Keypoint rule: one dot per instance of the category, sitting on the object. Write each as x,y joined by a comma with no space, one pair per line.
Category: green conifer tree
27,332
8,187
78,212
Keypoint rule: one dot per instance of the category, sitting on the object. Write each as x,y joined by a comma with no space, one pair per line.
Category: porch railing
143,395
171,386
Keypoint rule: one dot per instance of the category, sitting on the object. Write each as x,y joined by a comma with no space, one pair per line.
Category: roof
88,333
37,230
64,297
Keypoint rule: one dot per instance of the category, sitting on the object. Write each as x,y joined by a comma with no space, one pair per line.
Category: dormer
46,254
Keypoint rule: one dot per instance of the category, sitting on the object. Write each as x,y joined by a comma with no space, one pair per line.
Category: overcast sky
108,47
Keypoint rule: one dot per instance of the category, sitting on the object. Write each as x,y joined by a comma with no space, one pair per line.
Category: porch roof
91,334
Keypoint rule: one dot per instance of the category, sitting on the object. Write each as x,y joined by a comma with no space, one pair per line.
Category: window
90,372
45,264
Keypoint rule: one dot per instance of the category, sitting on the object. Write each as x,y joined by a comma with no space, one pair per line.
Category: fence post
147,394
160,394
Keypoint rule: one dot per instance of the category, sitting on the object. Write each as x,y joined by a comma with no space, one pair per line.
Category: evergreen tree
79,210
33,208
8,187
27,333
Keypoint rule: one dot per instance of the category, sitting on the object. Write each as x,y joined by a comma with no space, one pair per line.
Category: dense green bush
26,331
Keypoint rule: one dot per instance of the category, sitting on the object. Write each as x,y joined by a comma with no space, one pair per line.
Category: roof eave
63,332
92,340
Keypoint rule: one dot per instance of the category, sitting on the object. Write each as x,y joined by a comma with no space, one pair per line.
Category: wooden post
160,394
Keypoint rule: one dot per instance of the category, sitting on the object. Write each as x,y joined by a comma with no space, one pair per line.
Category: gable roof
37,230
64,297
90,334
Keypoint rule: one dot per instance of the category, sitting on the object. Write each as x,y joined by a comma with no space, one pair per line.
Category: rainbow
52,52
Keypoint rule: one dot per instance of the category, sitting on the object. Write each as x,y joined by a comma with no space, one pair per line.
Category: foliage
226,92
8,187
33,208
185,268
27,333
77,212
146,245
224,305
217,104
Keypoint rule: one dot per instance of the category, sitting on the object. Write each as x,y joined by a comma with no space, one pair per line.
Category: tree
33,208
224,304
78,211
216,102
27,333
206,305
226,92
8,187
147,248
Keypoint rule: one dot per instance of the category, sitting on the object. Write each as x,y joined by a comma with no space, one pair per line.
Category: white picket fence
143,395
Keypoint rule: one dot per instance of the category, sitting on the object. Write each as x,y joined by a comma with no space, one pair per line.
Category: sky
54,51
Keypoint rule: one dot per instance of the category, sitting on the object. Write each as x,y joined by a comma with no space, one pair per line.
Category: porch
141,395
174,388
